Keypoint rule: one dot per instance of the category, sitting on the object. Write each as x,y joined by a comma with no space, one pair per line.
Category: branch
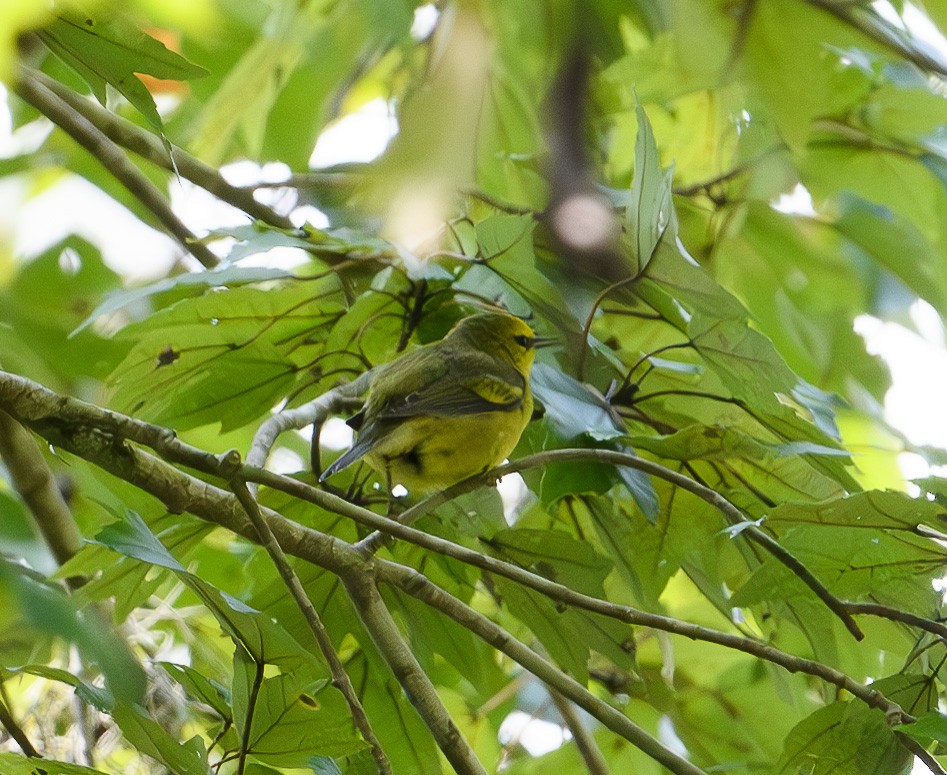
91,433
377,619
37,405
894,614
732,513
16,731
149,147
921,753
413,583
113,159
588,749
869,24
340,678
32,478
313,412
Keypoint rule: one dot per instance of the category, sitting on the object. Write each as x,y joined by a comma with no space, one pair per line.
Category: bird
449,410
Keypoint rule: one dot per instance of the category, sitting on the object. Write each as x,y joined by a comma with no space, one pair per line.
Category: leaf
292,721
47,609
555,555
930,727
17,764
200,687
870,511
240,106
894,244
915,692
264,639
230,276
651,211
569,635
574,411
148,736
432,634
571,407
778,59
404,738
227,356
844,738
893,569
109,50
98,697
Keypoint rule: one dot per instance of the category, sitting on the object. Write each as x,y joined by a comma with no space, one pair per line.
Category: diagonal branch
113,159
340,678
733,514
36,406
92,433
588,749
380,624
140,141
36,484
15,731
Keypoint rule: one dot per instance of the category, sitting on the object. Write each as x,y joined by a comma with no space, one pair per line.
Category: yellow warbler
447,410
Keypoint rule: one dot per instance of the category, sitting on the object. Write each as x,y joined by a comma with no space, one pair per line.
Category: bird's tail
359,449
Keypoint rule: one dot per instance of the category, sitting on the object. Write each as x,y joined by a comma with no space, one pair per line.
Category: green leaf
569,635
930,727
432,633
230,276
227,356
403,736
292,720
651,211
555,555
46,608
110,51
200,687
571,407
98,697
17,764
264,639
895,244
869,511
844,738
148,736
780,58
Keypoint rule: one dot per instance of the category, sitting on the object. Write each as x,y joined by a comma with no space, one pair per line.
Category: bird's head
503,336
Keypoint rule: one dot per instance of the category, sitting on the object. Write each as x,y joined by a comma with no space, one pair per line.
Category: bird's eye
523,341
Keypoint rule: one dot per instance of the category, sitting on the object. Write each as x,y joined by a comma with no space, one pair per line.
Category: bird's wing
448,396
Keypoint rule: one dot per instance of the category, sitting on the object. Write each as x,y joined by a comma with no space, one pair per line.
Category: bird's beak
544,341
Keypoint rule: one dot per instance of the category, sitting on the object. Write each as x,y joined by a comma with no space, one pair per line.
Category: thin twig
360,585
114,160
340,678
311,413
921,753
588,749
16,731
733,514
896,615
